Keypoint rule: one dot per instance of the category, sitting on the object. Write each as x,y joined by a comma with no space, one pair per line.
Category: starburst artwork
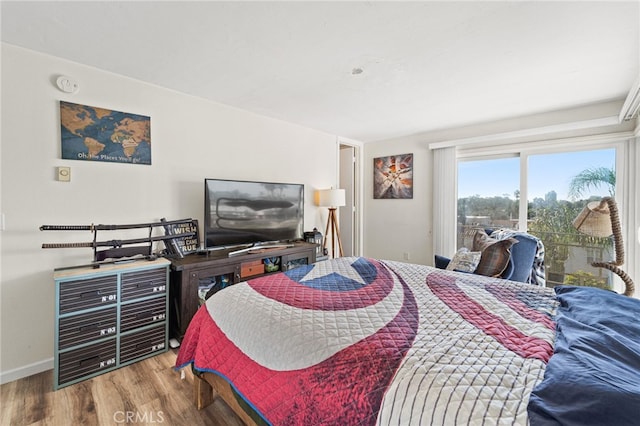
393,176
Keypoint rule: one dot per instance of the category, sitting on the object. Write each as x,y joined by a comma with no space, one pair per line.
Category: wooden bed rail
208,385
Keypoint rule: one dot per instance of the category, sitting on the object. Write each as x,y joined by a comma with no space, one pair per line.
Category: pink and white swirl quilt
356,341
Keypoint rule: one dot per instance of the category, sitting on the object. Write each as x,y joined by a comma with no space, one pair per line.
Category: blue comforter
593,378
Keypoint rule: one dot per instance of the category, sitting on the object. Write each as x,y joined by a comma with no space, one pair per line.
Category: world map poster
98,134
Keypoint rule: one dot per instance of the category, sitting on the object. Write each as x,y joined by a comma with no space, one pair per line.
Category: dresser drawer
143,283
83,328
142,343
251,268
86,361
139,314
88,293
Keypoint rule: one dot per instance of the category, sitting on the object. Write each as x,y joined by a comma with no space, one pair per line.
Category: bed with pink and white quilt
357,341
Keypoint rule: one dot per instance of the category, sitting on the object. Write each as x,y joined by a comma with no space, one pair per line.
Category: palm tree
592,178
552,223
553,219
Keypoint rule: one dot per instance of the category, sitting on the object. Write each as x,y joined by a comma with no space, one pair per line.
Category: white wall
395,227
191,139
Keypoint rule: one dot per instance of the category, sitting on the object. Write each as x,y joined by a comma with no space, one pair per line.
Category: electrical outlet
406,255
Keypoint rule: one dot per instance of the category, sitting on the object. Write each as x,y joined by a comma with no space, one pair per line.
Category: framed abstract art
393,177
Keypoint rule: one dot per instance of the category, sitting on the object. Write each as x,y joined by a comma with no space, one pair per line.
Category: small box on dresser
109,317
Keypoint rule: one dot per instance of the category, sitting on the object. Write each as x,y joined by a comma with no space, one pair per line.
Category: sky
547,172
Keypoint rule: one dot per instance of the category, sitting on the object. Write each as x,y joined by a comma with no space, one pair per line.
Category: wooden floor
147,392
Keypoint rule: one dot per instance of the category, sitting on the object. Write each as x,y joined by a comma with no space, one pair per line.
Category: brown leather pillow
481,240
495,254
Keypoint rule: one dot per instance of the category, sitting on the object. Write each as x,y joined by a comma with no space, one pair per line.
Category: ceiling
361,70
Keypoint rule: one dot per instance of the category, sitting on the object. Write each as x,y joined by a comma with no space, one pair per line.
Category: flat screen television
245,212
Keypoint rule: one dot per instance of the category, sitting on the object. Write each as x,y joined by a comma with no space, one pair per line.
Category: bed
357,341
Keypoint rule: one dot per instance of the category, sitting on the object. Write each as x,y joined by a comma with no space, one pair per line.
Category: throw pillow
464,261
481,240
495,258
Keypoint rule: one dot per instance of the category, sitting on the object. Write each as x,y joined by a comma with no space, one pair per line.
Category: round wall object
67,84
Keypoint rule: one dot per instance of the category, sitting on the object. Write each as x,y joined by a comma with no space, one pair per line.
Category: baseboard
26,371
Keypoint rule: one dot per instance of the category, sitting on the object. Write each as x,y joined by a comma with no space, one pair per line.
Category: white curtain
630,214
445,184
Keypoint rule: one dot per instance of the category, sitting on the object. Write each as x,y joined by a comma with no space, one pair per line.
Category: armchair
526,263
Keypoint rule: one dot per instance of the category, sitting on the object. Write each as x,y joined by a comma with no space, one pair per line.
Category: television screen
243,212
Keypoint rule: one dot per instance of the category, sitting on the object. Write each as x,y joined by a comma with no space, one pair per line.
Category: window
557,186
488,195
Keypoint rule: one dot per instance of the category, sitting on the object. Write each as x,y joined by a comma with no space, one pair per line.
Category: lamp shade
594,220
331,197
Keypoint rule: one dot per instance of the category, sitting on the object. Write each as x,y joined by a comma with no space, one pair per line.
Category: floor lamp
600,219
332,198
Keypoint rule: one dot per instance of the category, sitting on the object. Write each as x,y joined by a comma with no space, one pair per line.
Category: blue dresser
109,317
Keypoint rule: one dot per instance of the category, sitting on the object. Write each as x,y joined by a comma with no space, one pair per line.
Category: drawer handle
91,360
93,294
142,315
89,327
143,345
89,294
156,287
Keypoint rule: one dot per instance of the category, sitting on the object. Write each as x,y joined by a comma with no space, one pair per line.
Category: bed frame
208,385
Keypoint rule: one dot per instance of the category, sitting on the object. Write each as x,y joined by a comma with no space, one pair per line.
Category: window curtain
630,214
445,184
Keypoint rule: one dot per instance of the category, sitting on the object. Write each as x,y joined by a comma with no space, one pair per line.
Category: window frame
627,154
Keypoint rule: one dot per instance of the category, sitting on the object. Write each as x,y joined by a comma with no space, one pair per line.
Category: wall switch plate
64,174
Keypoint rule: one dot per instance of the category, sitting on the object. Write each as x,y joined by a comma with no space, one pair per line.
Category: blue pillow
593,377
